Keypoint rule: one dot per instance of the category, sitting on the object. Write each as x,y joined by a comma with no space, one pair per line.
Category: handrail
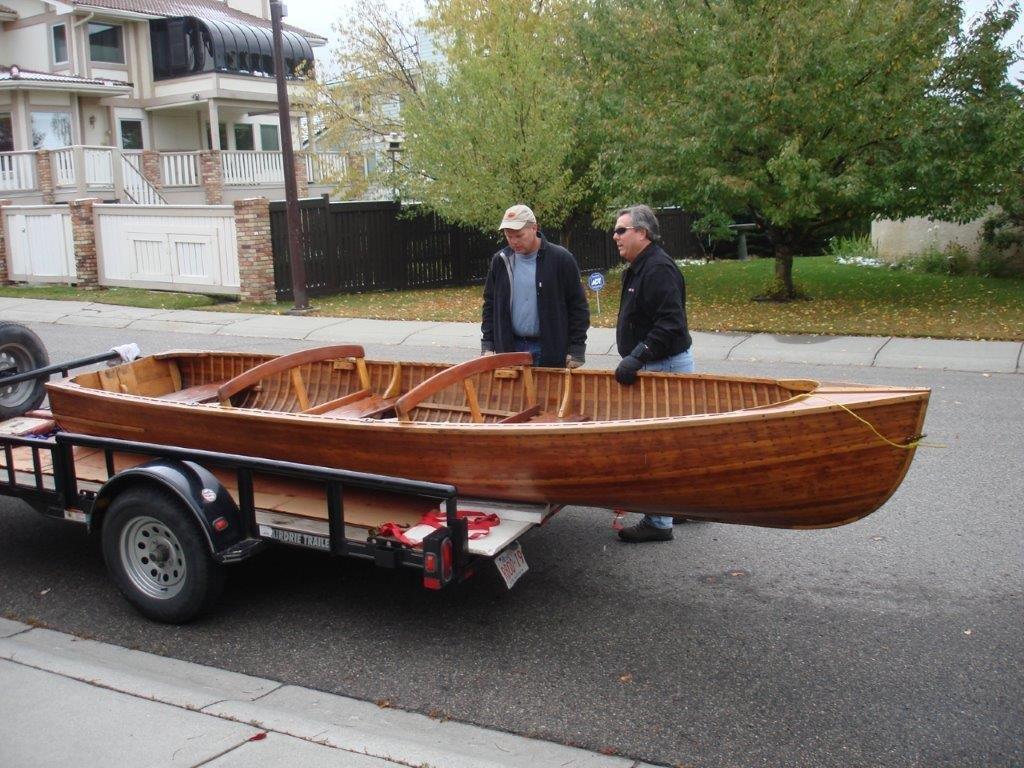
407,402
246,379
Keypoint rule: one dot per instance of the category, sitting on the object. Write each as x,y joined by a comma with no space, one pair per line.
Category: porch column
4,270
211,177
44,176
117,172
152,169
301,177
255,252
83,232
214,125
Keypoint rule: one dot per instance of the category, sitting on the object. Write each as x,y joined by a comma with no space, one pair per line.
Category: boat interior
338,382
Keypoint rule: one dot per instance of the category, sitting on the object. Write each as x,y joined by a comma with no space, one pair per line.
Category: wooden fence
380,246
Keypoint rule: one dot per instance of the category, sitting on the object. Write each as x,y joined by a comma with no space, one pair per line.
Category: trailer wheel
20,351
158,557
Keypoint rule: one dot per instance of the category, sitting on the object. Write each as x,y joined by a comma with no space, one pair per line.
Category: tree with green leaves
497,118
800,115
358,99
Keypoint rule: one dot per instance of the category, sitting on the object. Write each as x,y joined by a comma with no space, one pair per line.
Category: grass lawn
845,299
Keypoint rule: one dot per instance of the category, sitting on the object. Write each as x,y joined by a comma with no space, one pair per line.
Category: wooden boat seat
534,415
201,393
362,404
367,408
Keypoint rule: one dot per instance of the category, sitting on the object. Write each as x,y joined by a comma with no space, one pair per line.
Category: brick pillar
83,232
152,170
4,271
44,176
255,252
211,176
301,177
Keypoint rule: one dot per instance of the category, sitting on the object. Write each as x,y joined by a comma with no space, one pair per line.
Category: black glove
631,363
627,370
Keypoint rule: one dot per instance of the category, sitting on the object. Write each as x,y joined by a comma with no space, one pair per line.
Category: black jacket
561,305
653,306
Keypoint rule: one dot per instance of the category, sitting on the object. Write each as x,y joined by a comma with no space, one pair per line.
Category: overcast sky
318,16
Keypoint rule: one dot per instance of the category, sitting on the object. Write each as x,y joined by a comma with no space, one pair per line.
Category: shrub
994,261
953,260
850,249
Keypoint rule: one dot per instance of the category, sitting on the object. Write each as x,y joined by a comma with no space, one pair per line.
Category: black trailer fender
199,491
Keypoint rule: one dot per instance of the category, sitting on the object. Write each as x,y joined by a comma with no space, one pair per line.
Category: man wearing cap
533,297
651,332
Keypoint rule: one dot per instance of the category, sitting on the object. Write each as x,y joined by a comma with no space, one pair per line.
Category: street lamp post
291,191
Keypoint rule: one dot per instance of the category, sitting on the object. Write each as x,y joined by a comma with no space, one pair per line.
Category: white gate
181,248
40,245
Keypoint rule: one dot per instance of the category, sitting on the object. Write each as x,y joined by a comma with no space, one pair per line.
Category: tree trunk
784,272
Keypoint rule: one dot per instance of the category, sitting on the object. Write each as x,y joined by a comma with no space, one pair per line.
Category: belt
528,338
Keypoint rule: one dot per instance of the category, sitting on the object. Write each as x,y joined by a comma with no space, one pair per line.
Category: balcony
153,178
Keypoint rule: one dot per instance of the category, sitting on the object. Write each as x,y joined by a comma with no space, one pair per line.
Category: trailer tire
158,557
21,346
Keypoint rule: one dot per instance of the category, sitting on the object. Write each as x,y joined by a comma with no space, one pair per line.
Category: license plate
511,564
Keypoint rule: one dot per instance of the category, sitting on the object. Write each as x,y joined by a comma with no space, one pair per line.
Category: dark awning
240,47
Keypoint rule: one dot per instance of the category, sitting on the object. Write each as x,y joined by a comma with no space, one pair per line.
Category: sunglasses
620,231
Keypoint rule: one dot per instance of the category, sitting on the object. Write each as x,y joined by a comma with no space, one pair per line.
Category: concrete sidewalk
877,351
69,701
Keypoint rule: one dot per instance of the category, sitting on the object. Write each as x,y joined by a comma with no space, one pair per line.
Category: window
131,134
60,44
244,137
51,130
106,43
6,132
269,140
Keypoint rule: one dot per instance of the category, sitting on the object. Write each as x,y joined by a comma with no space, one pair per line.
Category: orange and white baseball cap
517,217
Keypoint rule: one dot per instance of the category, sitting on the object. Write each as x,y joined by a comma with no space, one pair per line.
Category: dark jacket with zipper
561,305
653,306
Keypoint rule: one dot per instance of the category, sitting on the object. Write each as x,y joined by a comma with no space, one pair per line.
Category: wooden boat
778,453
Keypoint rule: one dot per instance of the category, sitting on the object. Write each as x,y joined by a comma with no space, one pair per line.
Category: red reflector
446,559
431,583
220,524
430,563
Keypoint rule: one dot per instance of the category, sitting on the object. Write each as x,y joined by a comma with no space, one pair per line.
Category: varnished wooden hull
821,458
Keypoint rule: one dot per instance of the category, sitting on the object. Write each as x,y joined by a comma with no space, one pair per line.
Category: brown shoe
645,531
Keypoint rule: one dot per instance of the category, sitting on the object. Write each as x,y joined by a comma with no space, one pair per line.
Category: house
128,99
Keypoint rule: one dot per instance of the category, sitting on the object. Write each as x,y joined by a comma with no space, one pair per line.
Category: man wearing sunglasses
533,297
651,333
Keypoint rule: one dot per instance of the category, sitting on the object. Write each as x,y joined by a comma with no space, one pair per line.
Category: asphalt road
894,641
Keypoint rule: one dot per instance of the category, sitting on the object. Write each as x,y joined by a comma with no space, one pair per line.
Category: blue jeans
681,363
528,345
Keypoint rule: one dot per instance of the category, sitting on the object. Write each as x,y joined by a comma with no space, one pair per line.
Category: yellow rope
917,441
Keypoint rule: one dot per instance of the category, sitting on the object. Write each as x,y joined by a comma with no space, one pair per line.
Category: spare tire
20,351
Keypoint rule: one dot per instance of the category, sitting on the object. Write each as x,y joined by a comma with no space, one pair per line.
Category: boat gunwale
783,410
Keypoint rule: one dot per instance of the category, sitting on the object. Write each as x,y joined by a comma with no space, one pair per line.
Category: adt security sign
596,283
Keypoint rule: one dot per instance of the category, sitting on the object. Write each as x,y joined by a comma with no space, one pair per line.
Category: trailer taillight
446,560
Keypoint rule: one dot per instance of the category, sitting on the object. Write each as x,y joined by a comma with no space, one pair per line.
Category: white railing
99,166
243,168
63,167
180,169
17,171
96,161
326,166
